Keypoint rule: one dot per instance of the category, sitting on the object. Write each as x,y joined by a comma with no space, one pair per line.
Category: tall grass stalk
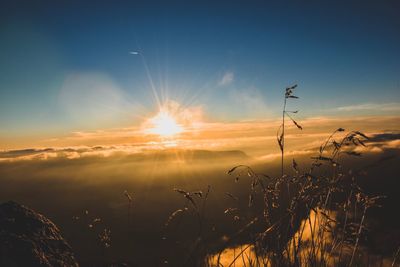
281,131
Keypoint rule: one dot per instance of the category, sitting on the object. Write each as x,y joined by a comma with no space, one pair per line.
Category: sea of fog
86,195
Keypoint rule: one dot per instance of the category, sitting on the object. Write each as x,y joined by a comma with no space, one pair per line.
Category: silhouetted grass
314,217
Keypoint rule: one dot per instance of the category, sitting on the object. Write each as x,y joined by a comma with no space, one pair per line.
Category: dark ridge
30,239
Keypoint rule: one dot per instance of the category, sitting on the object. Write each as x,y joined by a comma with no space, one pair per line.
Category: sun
164,125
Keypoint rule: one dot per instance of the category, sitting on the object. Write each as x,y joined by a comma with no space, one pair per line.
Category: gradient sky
66,65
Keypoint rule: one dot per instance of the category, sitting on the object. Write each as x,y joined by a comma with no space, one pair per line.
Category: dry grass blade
297,125
295,166
198,193
207,192
336,145
230,210
361,134
187,195
173,215
317,164
280,141
232,196
251,200
236,167
128,196
180,191
322,158
353,153
360,142
395,257
294,122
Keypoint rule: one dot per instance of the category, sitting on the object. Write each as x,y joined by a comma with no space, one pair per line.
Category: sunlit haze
199,133
164,124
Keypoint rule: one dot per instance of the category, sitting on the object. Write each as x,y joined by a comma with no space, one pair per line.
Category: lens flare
164,124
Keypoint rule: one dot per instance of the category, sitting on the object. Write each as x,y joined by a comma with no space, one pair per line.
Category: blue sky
66,66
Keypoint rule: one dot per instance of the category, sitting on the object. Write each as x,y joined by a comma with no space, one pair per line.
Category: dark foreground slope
30,239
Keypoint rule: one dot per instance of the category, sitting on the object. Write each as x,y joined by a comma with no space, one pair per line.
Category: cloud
377,143
388,136
387,140
66,152
255,137
290,154
226,79
371,106
134,153
250,102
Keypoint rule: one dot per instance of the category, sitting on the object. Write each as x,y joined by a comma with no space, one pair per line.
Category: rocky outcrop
30,239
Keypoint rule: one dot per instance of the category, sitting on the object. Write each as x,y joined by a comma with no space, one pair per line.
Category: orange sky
256,137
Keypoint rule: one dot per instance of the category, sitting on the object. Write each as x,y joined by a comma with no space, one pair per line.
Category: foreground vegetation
313,217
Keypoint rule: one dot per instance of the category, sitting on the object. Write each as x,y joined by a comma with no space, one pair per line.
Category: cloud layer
256,138
371,107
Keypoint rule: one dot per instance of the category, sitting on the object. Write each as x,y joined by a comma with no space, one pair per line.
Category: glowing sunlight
164,124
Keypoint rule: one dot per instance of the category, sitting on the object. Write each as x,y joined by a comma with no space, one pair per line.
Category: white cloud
249,101
227,78
371,106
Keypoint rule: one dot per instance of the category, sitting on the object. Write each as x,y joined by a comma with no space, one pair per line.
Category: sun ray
164,125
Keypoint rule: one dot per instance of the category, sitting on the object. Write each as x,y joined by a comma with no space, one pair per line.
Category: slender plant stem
358,236
395,257
283,134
